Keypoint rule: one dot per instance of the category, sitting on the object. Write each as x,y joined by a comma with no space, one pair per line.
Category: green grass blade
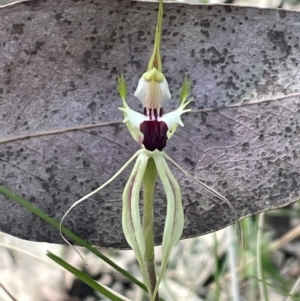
217,268
86,278
260,272
249,228
294,213
278,289
69,233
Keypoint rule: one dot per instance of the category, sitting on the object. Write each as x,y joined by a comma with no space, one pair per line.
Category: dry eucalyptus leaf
59,62
9,2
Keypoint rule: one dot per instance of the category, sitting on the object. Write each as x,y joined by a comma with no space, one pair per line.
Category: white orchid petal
172,118
152,90
165,91
133,121
140,92
135,118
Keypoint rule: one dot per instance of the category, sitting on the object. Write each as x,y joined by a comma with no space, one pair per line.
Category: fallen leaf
62,133
9,2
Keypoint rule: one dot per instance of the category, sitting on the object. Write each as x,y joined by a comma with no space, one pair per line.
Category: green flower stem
148,222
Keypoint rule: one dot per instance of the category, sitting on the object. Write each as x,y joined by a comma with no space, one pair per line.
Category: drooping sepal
175,217
139,237
131,220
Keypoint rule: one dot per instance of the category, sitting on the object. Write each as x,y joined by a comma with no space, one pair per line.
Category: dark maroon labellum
155,134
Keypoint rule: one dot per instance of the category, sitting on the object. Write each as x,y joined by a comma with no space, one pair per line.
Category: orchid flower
151,129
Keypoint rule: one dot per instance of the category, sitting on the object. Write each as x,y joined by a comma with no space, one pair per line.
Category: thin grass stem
233,264
293,290
217,268
262,284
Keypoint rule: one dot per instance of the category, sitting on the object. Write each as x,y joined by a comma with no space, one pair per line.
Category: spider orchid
151,130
